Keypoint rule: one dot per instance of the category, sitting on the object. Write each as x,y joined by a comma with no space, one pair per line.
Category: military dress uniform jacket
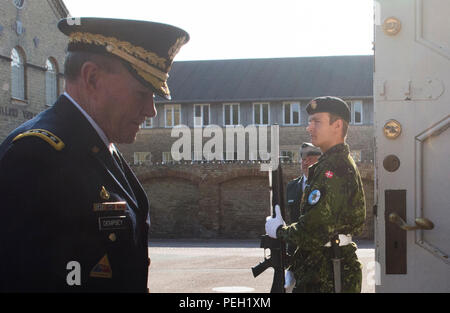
333,203
72,218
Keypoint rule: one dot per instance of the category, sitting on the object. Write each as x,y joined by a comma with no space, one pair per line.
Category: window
356,155
51,82
356,112
201,114
167,157
287,156
148,123
17,75
231,114
142,158
291,113
172,115
261,113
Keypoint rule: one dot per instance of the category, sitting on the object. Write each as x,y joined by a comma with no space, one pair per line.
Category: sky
243,29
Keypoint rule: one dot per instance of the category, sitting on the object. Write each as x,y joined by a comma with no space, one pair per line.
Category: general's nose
149,107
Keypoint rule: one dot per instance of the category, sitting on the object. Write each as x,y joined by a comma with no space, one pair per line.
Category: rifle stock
277,247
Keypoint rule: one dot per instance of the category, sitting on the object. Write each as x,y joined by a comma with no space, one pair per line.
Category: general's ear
90,75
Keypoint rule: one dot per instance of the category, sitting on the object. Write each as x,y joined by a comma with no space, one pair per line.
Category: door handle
421,223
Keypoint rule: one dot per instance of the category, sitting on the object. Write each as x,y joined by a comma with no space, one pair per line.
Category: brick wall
40,40
219,200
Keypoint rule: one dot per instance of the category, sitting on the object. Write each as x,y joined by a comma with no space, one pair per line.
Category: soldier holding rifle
331,211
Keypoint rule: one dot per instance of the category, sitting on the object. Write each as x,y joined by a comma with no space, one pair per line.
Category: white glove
289,281
272,223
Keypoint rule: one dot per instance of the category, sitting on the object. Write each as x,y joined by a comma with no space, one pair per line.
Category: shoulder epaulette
47,136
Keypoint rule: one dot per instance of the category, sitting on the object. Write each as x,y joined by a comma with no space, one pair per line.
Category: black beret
308,149
146,48
332,105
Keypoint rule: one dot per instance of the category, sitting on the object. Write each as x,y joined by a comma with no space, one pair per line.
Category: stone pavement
208,266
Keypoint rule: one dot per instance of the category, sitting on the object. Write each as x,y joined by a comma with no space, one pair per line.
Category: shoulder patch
47,136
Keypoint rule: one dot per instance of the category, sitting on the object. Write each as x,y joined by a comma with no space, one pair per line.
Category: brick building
31,59
198,199
227,196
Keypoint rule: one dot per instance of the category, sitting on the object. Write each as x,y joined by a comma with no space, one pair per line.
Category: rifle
277,258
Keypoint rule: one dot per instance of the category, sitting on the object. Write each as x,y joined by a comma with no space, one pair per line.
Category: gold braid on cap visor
130,53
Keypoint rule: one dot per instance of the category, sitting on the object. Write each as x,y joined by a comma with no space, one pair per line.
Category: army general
331,211
75,218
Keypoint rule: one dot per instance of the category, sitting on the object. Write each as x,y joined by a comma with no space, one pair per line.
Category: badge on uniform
112,222
102,269
104,194
329,174
314,197
110,206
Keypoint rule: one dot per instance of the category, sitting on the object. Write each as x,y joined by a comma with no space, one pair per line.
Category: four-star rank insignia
314,197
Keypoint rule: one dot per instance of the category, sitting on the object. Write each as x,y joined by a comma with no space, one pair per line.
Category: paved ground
206,266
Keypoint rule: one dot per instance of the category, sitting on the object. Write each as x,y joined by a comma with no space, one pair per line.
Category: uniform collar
97,128
341,148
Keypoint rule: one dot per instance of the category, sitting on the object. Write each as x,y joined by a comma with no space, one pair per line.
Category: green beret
308,149
331,105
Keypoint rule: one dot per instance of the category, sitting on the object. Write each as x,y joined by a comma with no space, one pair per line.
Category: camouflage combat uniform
338,209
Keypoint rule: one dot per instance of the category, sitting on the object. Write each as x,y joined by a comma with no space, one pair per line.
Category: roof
271,79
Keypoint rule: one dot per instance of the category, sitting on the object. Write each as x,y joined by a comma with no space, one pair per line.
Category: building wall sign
16,113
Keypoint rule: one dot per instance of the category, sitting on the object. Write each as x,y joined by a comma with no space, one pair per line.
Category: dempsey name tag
112,222
110,206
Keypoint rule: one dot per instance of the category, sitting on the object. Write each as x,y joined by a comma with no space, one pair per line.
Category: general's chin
127,138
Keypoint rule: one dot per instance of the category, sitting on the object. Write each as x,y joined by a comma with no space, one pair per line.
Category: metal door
412,134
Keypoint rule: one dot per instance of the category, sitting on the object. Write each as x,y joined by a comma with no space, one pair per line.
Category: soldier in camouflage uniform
333,204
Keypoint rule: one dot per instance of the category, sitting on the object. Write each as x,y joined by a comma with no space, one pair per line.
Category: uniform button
112,237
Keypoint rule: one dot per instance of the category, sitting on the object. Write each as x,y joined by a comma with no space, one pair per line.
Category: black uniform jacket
294,194
57,233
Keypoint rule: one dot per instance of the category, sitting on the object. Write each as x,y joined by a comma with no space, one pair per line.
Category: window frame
137,157
357,152
360,103
231,105
291,113
261,117
54,78
351,104
172,108
21,79
144,124
164,157
202,105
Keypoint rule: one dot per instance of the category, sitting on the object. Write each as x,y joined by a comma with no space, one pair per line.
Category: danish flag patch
329,174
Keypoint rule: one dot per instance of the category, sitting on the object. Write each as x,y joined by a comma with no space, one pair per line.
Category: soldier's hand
289,281
272,223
